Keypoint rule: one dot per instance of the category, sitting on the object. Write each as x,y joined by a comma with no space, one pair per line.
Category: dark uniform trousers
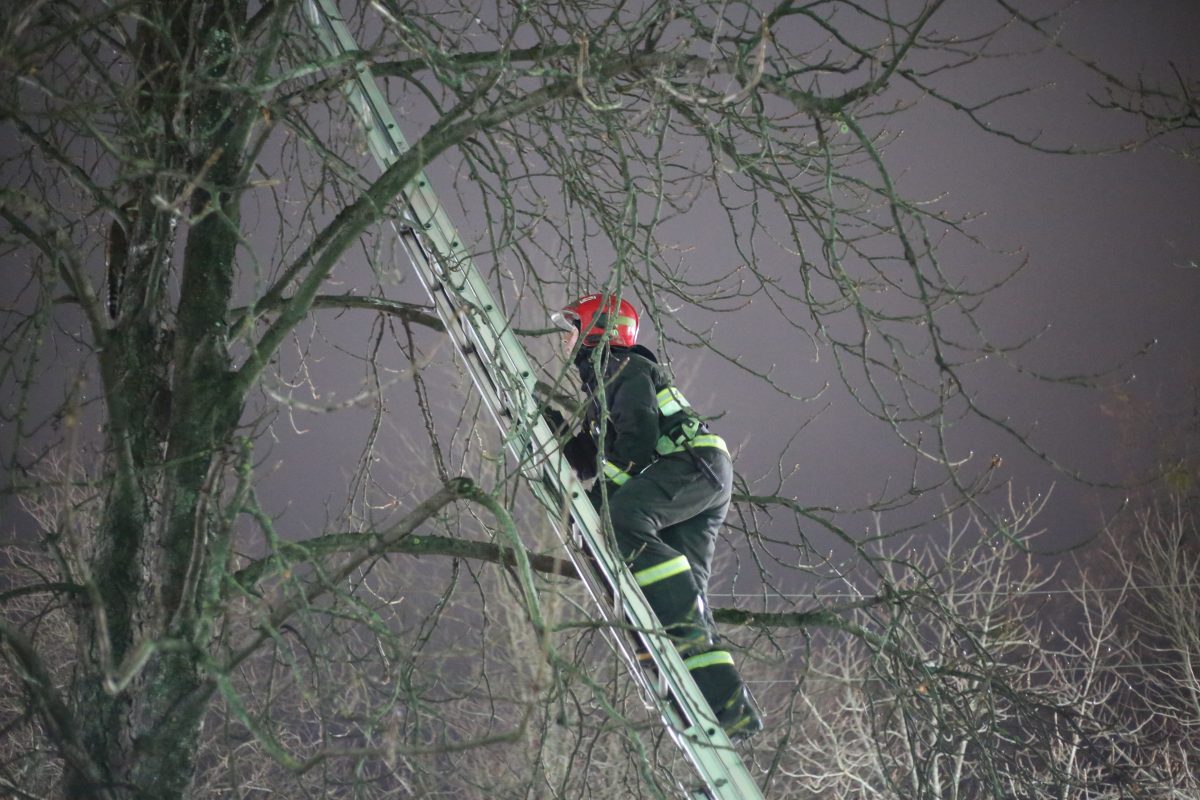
666,520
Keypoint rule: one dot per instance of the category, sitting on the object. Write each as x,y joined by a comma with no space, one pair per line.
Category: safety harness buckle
678,439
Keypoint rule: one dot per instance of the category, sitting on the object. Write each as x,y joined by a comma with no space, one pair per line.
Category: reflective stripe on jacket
648,417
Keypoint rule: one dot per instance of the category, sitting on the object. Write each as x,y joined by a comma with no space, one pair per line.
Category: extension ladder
504,376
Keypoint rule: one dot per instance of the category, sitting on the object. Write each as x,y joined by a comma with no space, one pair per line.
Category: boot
690,635
726,693
740,718
677,605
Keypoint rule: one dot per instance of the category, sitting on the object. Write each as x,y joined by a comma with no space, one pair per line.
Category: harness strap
666,446
690,433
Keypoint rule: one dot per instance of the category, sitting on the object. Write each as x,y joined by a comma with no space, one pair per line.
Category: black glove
580,451
596,494
556,421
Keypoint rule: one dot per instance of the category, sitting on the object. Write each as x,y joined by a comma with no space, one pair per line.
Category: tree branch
413,546
22,657
334,543
409,312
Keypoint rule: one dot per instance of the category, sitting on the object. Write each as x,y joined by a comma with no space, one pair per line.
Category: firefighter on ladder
668,481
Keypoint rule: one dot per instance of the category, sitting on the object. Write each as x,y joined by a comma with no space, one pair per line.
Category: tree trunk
171,418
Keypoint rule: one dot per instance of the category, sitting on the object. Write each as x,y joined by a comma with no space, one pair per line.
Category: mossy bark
171,417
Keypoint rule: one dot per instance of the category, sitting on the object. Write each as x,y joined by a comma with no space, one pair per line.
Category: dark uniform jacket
631,382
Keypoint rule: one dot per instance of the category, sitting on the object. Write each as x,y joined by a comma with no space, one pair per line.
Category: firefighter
668,481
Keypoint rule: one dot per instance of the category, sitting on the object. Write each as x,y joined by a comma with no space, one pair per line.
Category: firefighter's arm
633,415
579,450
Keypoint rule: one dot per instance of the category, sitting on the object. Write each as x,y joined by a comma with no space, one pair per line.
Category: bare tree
951,706
1094,700
1163,99
193,219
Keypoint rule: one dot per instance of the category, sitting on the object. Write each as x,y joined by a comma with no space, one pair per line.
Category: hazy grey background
1112,244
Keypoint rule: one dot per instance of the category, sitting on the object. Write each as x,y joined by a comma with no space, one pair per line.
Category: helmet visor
566,319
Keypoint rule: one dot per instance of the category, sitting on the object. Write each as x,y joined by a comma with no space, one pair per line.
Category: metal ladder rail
505,378
474,347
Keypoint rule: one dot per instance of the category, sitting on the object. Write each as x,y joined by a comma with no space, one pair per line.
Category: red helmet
593,313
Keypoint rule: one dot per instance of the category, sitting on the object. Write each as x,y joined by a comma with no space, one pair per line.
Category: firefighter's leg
714,671
726,693
665,494
696,537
